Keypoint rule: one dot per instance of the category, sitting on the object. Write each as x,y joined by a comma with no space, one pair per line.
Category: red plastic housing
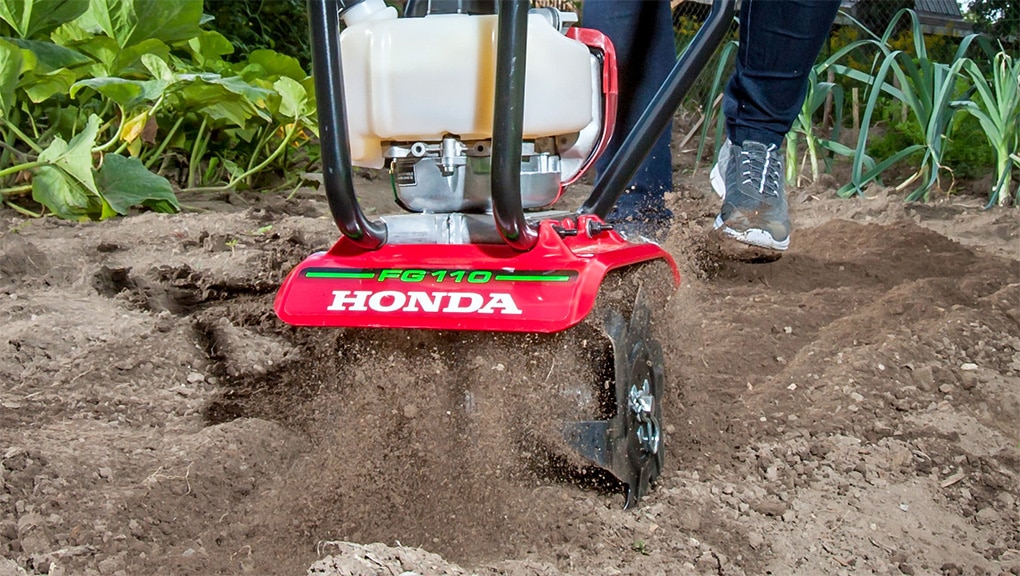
460,286
599,42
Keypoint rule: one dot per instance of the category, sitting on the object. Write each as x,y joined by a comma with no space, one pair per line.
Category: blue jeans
780,40
642,33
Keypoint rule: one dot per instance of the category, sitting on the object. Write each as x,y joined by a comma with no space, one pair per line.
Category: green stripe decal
342,275
531,278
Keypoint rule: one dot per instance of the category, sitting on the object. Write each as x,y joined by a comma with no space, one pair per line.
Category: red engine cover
461,286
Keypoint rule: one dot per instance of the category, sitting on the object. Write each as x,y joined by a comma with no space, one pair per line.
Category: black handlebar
327,69
637,145
508,126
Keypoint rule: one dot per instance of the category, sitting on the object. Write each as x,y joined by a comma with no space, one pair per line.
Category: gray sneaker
718,175
754,209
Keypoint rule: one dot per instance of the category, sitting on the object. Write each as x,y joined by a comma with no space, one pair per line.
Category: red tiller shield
460,286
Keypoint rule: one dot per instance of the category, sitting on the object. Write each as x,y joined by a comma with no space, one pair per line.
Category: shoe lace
761,169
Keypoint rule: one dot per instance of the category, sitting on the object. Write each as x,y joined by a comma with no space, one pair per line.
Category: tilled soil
852,408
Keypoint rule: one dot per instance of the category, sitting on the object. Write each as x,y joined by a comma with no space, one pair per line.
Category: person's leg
642,33
779,42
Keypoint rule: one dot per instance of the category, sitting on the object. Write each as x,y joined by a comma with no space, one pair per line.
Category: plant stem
16,190
22,211
35,129
1003,171
162,145
233,182
264,134
812,146
116,135
19,167
10,151
24,137
269,160
196,154
7,144
267,135
791,158
294,191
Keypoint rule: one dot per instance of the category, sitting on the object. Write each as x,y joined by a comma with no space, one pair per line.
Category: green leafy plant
30,19
804,128
250,25
997,108
640,547
967,152
96,93
928,89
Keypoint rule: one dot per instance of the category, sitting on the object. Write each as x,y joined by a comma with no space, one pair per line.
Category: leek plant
803,125
997,108
929,90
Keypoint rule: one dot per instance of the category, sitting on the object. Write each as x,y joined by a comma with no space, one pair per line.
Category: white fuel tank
418,79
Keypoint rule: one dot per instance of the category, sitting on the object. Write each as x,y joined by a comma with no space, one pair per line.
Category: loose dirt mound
851,408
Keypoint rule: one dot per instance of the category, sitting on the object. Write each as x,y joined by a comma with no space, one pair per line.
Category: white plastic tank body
418,79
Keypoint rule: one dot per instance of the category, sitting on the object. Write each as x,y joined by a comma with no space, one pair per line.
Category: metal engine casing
453,175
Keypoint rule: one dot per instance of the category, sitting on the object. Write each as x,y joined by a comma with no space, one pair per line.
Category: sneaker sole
752,236
719,247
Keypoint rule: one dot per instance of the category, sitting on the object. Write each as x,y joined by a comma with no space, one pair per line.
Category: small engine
425,106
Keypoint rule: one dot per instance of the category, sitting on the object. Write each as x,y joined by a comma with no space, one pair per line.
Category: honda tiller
482,120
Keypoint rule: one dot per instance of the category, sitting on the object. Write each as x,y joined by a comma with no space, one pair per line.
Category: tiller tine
630,443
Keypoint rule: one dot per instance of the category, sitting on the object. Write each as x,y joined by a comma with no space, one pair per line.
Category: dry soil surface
853,408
